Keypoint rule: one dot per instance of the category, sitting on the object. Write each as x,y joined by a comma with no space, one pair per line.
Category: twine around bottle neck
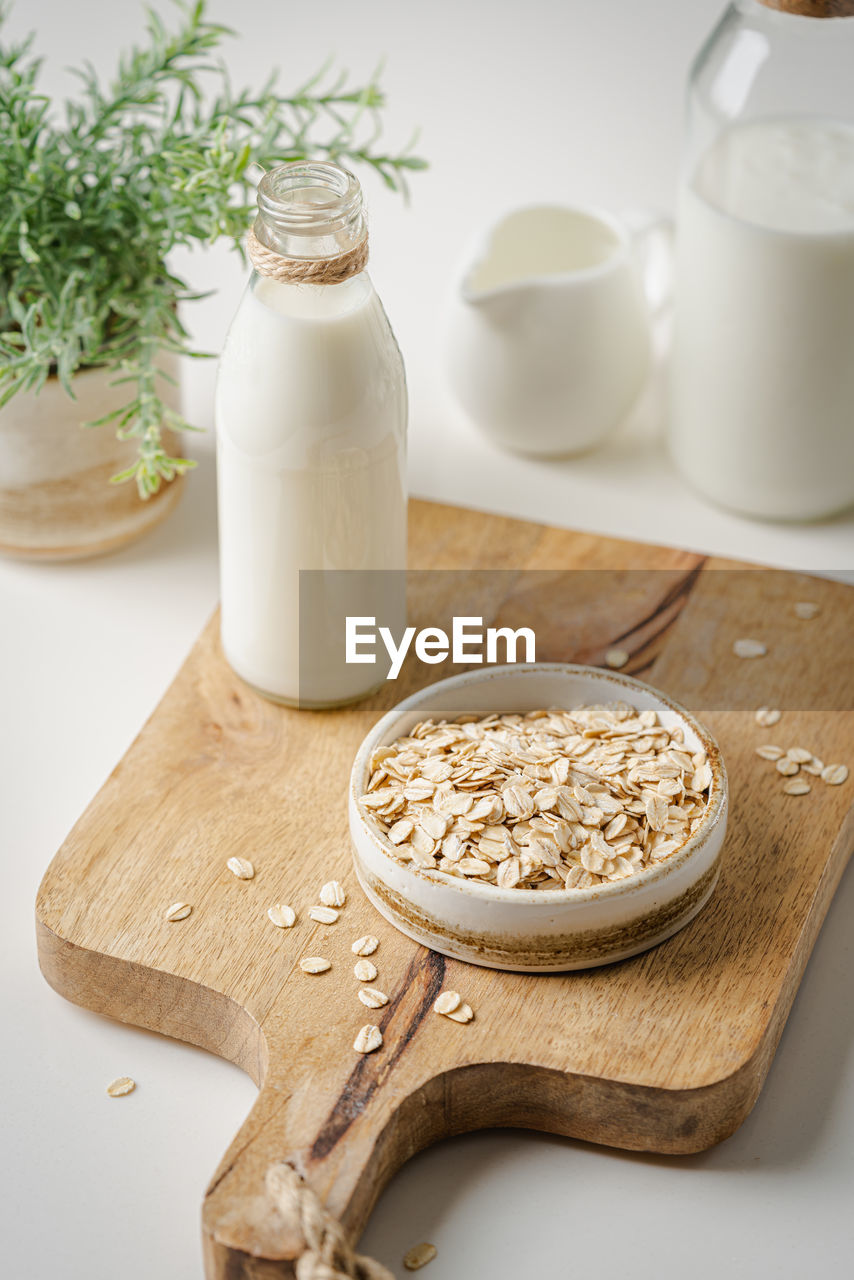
334,270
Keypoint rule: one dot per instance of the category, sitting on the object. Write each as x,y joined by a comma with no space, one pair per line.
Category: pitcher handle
652,235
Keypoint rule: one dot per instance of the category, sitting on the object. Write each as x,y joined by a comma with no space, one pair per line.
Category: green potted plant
96,193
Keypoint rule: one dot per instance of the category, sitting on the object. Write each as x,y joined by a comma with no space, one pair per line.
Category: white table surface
517,102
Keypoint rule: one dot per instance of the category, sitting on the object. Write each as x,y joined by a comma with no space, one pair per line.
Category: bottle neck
311,210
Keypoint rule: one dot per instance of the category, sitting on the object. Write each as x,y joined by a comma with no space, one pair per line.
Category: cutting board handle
262,1219
305,1170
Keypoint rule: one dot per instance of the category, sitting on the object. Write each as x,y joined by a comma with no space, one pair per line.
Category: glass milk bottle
311,425
762,409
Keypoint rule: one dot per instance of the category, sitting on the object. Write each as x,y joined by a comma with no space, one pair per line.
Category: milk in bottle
763,367
311,418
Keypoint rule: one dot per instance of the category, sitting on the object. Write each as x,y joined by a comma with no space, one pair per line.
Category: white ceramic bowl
539,931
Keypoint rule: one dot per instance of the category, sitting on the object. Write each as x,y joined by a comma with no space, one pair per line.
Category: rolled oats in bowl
550,799
538,840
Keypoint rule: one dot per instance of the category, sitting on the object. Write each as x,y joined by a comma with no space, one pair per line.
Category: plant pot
56,500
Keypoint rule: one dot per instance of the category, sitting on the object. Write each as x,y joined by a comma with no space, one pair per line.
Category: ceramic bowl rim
716,807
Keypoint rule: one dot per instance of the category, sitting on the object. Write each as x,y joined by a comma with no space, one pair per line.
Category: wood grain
666,1052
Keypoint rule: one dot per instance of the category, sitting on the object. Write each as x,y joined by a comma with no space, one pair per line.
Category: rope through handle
325,1253
307,270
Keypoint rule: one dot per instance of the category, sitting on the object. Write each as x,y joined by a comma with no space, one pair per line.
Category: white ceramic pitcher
548,332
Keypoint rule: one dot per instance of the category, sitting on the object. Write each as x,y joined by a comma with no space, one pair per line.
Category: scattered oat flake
813,766
282,916
241,867
323,915
749,648
770,752
616,658
368,1039
463,1013
800,755
178,911
806,609
372,997
332,894
121,1086
365,970
447,1001
766,716
787,767
314,964
834,774
365,946
419,1255
796,787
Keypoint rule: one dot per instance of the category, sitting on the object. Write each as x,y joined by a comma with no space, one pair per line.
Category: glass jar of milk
762,408
311,426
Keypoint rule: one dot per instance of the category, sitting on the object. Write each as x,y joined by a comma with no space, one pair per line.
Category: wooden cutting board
666,1052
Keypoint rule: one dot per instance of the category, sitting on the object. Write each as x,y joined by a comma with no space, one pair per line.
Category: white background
517,102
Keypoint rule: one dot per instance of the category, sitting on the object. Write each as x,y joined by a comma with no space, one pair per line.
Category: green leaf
101,189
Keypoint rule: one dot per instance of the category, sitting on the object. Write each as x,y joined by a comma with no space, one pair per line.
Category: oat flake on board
365,946
834,774
178,911
242,868
748,648
323,915
372,997
333,894
368,1039
282,916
